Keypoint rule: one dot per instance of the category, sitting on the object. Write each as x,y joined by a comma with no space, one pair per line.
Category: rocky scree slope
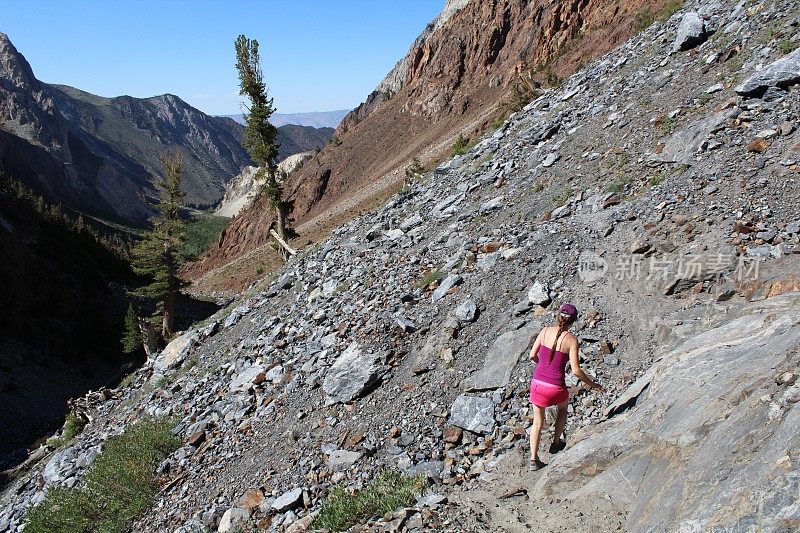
102,156
400,341
452,80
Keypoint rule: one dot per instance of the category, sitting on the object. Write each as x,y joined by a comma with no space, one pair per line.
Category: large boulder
711,443
691,32
351,374
176,351
473,413
782,73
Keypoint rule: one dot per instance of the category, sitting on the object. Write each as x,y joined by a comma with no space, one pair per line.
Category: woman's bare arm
535,350
575,365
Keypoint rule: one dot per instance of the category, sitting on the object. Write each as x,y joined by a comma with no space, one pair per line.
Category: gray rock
467,311
351,374
521,308
501,359
340,460
473,413
288,500
244,379
411,222
539,293
176,351
550,159
491,205
782,73
447,283
691,32
232,519
431,469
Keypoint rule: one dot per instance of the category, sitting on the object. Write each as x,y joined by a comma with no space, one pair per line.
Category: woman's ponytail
563,322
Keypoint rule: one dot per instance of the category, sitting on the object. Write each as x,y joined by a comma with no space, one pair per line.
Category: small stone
251,499
467,311
448,283
340,460
639,247
452,435
473,413
539,294
758,146
233,519
288,500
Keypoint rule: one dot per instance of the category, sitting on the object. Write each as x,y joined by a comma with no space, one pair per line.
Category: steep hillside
452,80
656,189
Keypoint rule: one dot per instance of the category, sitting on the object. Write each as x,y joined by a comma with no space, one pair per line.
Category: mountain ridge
102,155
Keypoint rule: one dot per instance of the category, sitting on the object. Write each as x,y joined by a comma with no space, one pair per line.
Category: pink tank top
551,367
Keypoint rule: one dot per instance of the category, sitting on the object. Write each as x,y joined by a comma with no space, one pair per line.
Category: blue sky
317,55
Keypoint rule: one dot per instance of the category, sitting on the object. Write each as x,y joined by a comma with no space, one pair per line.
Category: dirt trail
504,501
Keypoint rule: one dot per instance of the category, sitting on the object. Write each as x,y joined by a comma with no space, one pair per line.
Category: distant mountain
315,119
102,156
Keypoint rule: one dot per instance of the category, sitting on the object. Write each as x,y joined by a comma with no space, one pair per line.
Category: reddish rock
196,439
251,499
758,146
452,435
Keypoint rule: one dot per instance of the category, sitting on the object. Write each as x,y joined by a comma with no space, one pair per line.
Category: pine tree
260,136
158,254
131,336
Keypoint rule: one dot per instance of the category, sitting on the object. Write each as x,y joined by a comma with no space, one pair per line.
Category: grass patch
668,124
388,491
786,46
119,485
72,426
563,197
430,277
619,185
646,17
201,234
461,145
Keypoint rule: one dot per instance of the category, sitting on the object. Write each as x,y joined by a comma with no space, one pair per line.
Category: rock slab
473,413
351,374
501,359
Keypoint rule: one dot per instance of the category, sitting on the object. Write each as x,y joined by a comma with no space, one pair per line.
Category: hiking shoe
535,464
557,446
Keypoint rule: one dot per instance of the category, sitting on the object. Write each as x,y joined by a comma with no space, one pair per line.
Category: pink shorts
545,394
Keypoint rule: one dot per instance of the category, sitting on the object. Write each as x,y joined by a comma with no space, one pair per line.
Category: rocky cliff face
650,189
452,80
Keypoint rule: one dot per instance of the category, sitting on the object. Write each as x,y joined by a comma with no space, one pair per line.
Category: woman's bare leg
536,430
561,422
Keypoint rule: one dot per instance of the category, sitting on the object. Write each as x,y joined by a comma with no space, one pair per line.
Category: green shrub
461,145
786,46
118,486
563,197
415,169
388,491
668,125
619,185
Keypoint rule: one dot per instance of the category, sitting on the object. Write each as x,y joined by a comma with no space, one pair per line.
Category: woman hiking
554,347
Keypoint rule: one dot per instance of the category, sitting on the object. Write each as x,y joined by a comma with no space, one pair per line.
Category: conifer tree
260,136
158,255
131,336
